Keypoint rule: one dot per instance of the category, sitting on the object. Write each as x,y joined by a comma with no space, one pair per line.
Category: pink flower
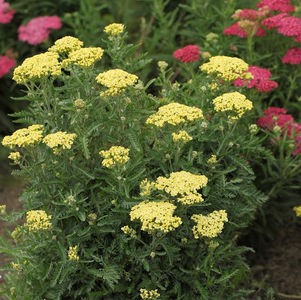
6,13
290,26
37,30
187,54
236,30
246,14
6,64
274,21
292,56
278,5
261,80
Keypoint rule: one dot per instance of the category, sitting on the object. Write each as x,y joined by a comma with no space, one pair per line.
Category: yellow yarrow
73,253
146,187
226,68
59,141
129,231
2,209
181,136
66,44
210,225
115,156
114,29
234,102
116,80
37,67
297,210
24,137
212,160
175,114
155,216
84,57
15,156
149,294
37,220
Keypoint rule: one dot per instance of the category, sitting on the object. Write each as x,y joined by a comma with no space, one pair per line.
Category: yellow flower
129,231
37,67
210,225
59,141
181,136
149,294
212,160
37,220
155,216
116,80
234,102
226,67
115,156
2,209
66,44
84,57
146,187
114,29
297,210
15,156
73,253
174,114
24,137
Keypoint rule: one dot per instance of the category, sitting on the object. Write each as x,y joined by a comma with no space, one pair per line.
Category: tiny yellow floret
115,156
129,231
181,136
297,210
59,141
149,294
114,29
212,160
15,156
73,253
37,220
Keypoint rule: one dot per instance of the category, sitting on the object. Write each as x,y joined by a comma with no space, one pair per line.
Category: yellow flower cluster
297,210
149,294
227,68
2,209
129,231
66,44
155,216
73,253
24,137
116,80
115,156
210,225
38,66
234,102
181,136
83,57
183,184
37,220
114,29
174,114
146,187
15,156
212,160
59,141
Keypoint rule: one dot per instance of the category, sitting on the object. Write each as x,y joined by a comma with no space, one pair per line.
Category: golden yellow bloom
149,294
2,209
16,266
129,231
79,103
212,160
235,102
37,220
24,137
36,67
210,225
15,156
83,57
175,114
16,234
66,44
155,216
146,187
59,141
226,67
114,29
73,253
181,136
116,80
115,156
297,210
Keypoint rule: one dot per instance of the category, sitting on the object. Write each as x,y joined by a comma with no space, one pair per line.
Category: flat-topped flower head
59,141
297,210
37,220
24,137
235,103
37,67
66,44
156,216
181,136
226,68
292,56
187,54
83,57
210,225
73,253
277,5
116,80
149,294
175,114
15,156
6,64
6,12
114,29
115,156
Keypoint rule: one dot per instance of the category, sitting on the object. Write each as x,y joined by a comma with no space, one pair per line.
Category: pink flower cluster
237,30
187,54
277,5
292,56
37,30
276,116
261,80
6,13
6,64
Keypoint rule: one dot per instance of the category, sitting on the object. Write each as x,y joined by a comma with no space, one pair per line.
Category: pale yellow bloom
66,44
59,141
297,210
181,136
115,156
37,220
73,253
114,29
149,294
15,156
